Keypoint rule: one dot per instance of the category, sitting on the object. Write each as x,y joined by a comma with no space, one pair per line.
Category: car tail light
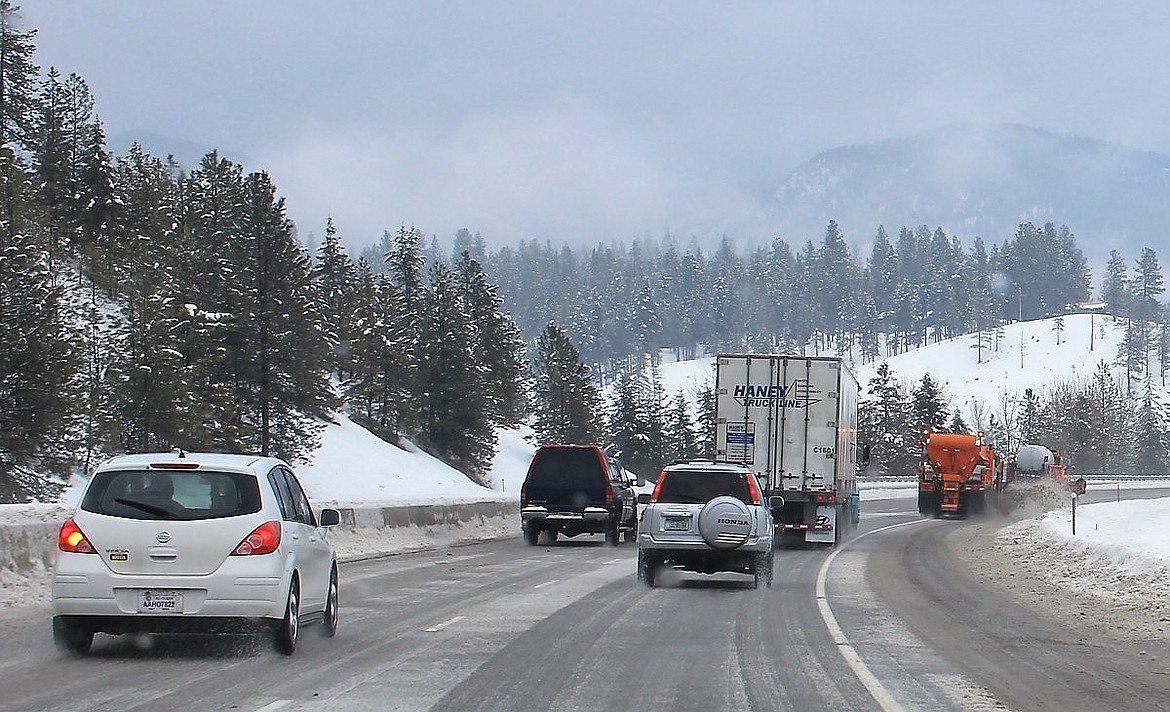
826,498
523,496
658,486
754,490
71,538
264,539
609,495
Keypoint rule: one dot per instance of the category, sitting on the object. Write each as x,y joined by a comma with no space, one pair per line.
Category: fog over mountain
983,180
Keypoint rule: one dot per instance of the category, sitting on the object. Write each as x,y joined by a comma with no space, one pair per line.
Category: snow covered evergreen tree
498,346
378,389
886,422
18,78
456,408
39,359
567,404
930,404
335,275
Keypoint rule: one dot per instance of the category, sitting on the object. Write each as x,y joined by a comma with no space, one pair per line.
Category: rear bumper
754,545
256,588
202,625
589,514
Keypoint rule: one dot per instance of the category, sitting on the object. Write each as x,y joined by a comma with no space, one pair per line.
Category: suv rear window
566,467
694,487
172,495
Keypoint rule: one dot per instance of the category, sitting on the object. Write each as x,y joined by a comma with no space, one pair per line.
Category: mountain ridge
983,180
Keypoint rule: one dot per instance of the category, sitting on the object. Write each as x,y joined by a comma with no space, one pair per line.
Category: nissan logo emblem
163,537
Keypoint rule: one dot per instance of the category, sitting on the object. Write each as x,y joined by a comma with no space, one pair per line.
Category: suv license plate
676,524
160,601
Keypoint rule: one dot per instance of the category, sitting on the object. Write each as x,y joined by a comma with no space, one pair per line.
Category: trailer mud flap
825,530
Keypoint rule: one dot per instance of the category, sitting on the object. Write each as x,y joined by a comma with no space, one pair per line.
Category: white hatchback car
193,543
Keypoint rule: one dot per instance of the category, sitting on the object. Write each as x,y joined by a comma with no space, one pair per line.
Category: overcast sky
592,120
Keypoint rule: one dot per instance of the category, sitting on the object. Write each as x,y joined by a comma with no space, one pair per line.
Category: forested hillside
144,307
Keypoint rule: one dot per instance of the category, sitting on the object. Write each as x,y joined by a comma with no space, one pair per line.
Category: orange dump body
956,469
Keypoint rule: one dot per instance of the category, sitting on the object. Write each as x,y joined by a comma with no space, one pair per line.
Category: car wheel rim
294,614
332,602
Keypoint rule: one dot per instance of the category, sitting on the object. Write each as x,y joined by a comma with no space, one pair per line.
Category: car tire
647,568
762,571
631,534
613,534
290,626
531,534
330,614
71,638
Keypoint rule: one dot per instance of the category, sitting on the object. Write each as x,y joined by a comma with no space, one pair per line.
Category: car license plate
154,601
676,524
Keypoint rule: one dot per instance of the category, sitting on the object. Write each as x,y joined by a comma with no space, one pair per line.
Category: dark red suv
577,489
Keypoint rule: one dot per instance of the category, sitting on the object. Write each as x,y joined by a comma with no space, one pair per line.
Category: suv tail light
523,495
608,495
658,486
72,539
264,539
754,490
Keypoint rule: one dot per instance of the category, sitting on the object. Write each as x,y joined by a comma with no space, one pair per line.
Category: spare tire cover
725,523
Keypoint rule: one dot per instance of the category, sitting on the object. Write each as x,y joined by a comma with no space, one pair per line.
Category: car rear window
692,487
566,467
172,495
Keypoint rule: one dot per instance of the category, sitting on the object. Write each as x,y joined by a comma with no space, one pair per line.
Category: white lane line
878,691
275,705
440,626
611,561
546,583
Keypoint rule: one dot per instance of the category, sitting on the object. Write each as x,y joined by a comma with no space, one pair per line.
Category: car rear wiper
148,508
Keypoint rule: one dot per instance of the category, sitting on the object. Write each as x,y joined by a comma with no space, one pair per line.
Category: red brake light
71,538
608,495
174,466
264,539
523,495
754,490
658,486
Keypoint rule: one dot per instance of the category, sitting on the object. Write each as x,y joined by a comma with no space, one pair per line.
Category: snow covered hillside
1028,354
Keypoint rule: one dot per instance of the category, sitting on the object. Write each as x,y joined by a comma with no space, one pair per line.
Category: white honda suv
193,543
706,517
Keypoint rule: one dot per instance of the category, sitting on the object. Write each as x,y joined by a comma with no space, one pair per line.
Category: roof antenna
182,452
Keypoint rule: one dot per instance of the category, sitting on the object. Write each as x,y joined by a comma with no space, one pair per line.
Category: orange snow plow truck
956,475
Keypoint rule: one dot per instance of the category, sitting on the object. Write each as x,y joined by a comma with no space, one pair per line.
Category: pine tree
566,402
1115,289
18,78
705,423
1030,417
682,438
335,276
1151,447
930,404
885,421
282,331
455,408
378,388
497,345
39,361
147,378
